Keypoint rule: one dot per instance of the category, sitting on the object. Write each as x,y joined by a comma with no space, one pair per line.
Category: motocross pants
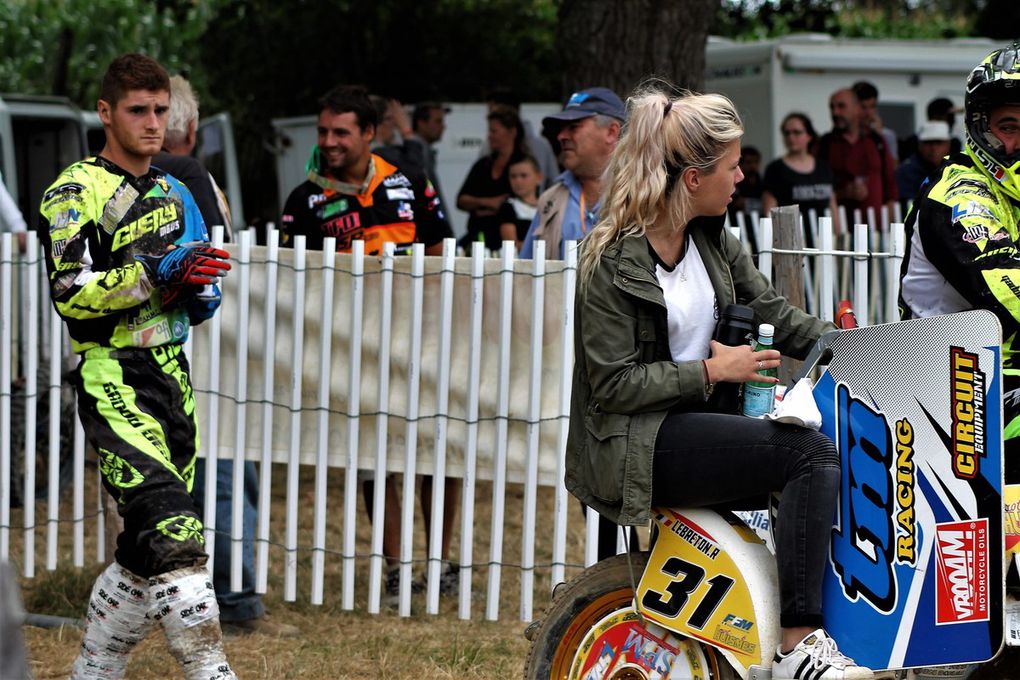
138,411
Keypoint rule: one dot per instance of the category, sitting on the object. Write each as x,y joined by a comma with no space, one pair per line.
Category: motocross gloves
182,271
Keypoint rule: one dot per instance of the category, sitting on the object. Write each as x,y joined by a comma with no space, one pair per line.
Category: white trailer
768,79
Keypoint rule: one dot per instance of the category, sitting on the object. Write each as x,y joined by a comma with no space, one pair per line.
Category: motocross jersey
962,253
94,219
392,206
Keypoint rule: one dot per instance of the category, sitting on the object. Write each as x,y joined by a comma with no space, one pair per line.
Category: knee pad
184,603
116,621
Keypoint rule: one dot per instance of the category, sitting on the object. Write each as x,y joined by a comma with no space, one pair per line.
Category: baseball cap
933,131
589,102
941,106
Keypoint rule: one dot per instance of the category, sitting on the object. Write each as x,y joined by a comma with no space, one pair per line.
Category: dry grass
335,643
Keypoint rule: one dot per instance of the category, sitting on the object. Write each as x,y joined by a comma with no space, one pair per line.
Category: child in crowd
518,211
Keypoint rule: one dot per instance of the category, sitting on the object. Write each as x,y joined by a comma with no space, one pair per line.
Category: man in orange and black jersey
352,194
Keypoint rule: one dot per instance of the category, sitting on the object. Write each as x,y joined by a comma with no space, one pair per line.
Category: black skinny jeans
710,459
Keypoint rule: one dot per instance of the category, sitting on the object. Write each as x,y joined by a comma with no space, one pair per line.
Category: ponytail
663,136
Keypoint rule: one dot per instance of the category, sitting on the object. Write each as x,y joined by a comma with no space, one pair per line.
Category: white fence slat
467,523
209,442
293,454
534,429
591,534
353,422
559,548
861,271
897,244
268,380
826,266
237,500
78,500
55,334
506,298
438,500
411,427
100,519
765,246
381,428
31,377
6,330
322,445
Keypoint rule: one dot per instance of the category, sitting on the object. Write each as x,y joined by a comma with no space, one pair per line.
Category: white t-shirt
690,305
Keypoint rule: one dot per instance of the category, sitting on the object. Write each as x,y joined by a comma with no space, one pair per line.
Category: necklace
681,263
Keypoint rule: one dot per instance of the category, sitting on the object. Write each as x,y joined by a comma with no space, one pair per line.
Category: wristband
709,385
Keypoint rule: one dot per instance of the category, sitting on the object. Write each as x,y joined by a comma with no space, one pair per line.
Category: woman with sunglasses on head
652,277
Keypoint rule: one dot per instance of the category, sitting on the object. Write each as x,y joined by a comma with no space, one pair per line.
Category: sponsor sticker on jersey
962,577
73,188
397,179
334,208
315,199
404,211
400,194
64,218
970,209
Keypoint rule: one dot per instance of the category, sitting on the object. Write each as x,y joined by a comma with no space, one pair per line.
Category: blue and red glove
185,269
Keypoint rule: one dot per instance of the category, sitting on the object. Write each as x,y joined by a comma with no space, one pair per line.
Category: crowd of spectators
859,166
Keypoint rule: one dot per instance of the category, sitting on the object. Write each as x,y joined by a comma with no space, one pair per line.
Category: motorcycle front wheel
591,631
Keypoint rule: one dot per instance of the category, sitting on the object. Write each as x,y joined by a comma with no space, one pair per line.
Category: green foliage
893,22
62,47
903,19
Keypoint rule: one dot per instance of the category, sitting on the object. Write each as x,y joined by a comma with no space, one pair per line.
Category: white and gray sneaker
816,657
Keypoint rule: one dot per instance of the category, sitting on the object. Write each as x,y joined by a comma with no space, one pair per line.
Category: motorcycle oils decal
692,586
961,559
618,644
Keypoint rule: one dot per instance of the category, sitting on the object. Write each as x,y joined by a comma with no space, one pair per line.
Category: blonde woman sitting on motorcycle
653,275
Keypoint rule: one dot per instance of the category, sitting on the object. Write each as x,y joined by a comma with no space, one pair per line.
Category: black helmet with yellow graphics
995,82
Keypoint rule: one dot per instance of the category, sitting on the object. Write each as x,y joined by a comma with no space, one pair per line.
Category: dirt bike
914,586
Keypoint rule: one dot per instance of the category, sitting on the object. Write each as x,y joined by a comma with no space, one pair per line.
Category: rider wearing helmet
963,231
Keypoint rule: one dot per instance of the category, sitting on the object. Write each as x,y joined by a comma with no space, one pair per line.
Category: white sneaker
816,657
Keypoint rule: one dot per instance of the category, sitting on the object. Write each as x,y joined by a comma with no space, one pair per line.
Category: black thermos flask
735,327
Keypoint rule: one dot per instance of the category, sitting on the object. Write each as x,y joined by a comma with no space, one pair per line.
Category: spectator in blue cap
587,129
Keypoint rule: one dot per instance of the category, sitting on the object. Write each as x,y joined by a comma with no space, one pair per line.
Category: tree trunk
619,43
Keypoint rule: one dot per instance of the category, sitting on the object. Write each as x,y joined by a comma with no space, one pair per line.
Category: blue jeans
709,458
246,604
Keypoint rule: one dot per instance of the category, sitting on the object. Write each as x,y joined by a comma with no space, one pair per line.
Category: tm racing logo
868,543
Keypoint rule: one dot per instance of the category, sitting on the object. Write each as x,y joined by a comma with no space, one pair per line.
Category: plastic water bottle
759,396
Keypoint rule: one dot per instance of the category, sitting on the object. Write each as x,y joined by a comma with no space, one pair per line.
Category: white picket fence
311,357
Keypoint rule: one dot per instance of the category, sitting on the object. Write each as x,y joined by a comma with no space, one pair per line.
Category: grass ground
334,643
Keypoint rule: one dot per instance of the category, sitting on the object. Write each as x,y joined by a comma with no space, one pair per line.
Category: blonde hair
663,136
183,110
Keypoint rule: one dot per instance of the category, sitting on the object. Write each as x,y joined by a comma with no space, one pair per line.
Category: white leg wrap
116,621
184,603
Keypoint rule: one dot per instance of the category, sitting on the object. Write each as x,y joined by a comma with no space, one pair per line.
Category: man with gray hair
176,158
240,612
587,129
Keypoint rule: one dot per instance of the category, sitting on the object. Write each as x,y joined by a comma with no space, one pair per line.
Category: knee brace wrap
116,621
184,603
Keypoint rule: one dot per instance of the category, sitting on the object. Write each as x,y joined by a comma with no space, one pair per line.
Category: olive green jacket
625,381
